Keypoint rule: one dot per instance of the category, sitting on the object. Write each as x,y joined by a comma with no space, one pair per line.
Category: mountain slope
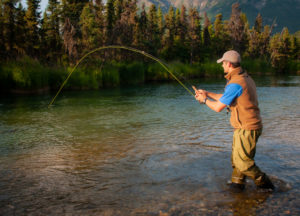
286,12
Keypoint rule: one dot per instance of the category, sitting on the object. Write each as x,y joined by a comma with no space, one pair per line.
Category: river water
143,150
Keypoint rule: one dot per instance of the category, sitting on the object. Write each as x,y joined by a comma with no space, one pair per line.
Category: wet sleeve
232,91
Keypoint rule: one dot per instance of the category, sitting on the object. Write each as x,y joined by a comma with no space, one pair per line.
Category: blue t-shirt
232,91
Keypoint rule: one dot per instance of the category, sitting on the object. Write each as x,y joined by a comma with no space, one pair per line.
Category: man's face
225,66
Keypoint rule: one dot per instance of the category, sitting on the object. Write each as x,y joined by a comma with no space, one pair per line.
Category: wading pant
242,158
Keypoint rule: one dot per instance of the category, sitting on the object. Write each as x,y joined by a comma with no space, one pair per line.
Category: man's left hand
200,97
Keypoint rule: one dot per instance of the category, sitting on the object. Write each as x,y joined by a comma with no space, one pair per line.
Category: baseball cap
231,56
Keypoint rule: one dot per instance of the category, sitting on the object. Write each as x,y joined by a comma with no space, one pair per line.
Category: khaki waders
242,158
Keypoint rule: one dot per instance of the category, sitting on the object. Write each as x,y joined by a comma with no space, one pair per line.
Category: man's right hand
200,91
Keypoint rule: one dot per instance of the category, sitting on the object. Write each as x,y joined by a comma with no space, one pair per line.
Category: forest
38,50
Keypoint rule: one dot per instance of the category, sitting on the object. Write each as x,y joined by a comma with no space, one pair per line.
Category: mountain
286,12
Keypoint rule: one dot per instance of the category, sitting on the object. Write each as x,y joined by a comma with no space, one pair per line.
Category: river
143,150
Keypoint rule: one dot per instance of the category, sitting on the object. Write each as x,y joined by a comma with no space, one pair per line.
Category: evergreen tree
254,43
72,10
183,24
9,11
109,21
126,29
119,5
168,50
258,26
245,37
218,25
20,28
221,40
206,35
88,28
161,23
141,31
99,22
180,50
69,40
258,39
236,28
2,49
154,35
295,48
177,25
194,34
70,15
32,18
280,49
265,41
51,33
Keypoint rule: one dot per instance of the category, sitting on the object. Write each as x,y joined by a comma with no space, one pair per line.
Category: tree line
70,28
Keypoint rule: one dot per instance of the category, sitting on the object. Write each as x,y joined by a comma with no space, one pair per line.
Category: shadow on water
150,150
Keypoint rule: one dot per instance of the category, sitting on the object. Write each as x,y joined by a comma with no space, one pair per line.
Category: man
240,96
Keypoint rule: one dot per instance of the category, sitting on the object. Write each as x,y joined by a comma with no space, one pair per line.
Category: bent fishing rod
119,47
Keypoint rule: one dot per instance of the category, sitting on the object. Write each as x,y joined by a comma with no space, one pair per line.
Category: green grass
27,74
258,66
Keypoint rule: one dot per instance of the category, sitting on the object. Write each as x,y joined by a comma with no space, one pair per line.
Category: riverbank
28,76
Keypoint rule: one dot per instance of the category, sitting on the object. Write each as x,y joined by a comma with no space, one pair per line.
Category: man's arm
216,106
211,95
232,91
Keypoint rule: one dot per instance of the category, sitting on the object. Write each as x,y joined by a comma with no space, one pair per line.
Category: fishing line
118,47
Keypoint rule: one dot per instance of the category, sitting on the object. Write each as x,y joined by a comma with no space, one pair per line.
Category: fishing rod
118,47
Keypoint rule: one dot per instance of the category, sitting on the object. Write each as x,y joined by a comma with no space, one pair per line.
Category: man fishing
241,98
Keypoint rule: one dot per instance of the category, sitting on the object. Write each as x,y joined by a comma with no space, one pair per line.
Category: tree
2,48
254,43
119,5
70,15
20,28
88,28
295,48
8,20
258,26
32,18
236,28
265,41
51,33
124,28
168,50
99,22
206,35
69,40
245,37
180,50
109,21
194,35
280,49
177,25
161,23
183,24
154,42
141,30
220,39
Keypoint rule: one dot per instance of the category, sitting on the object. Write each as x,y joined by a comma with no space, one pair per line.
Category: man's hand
199,91
200,94
200,97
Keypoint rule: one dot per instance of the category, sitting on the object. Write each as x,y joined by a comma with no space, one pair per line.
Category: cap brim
220,60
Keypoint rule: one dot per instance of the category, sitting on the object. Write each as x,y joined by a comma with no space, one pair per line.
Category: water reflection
150,150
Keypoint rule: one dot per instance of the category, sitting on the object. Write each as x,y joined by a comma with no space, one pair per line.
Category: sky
43,4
